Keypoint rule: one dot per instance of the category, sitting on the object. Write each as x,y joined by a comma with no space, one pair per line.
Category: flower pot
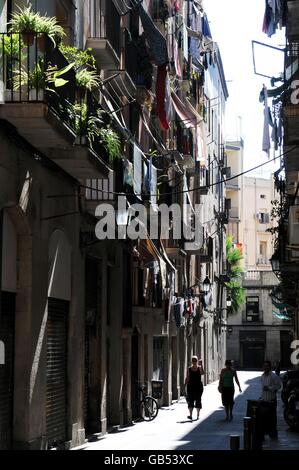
80,94
28,38
41,43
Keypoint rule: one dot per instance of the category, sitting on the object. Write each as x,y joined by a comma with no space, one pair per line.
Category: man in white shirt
271,384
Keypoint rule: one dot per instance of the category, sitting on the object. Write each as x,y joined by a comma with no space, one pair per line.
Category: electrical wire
198,188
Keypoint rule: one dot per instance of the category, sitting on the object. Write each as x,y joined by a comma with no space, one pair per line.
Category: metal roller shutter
91,308
6,371
56,401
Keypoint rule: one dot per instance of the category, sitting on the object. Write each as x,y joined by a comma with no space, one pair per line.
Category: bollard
255,432
234,442
247,421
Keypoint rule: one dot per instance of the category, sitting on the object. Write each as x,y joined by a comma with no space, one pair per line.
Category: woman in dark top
194,386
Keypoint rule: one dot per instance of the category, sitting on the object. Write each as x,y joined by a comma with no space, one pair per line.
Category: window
262,259
252,309
263,218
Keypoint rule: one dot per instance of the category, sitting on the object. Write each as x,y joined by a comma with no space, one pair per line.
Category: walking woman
227,389
194,386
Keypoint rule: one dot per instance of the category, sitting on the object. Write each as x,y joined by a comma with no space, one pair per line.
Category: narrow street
171,430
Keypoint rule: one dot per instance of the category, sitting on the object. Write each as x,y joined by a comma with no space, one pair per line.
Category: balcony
105,36
159,14
98,191
122,83
206,252
263,261
253,318
39,110
202,178
293,18
234,215
232,185
291,125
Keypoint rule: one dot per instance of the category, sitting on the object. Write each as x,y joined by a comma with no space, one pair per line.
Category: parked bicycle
148,405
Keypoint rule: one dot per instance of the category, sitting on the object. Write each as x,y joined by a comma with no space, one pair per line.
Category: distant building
256,332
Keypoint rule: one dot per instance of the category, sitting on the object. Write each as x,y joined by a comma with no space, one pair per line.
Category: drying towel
161,90
156,41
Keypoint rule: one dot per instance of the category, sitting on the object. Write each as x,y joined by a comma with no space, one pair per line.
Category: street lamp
275,262
206,285
228,301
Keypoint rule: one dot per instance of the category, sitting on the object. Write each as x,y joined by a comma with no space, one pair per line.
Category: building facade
257,332
126,115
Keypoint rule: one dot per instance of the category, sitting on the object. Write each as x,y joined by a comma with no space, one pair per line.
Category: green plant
25,21
111,142
83,123
50,26
40,77
88,79
79,57
235,271
12,46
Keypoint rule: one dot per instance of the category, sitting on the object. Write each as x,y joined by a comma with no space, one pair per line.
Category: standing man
271,384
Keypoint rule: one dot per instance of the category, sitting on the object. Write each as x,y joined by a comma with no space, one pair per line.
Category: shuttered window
7,318
56,410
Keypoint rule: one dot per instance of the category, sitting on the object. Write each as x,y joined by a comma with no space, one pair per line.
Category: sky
234,24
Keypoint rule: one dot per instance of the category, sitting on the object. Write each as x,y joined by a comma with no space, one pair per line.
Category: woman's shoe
231,417
189,417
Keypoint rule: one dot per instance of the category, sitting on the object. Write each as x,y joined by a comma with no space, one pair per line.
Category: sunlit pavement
171,430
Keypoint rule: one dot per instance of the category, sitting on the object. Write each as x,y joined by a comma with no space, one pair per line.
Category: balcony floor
45,131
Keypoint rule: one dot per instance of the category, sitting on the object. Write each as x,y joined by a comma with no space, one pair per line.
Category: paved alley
171,430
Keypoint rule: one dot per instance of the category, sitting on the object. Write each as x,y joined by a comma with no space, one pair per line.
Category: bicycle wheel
149,408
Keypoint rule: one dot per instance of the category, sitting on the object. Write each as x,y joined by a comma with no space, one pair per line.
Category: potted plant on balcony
31,24
27,23
111,142
50,27
40,79
86,80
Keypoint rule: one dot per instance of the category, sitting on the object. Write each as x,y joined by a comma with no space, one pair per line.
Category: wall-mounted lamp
206,285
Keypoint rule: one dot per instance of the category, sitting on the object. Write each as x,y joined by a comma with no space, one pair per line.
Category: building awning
116,115
188,119
149,252
165,256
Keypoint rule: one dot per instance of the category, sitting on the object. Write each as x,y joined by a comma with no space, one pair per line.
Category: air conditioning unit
294,225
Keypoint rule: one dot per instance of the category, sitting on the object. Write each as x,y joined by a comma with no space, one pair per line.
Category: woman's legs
227,412
231,411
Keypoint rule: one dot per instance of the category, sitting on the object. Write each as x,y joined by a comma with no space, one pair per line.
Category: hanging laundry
176,58
195,40
274,134
162,93
157,42
280,129
128,173
137,181
206,27
174,5
272,17
266,132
